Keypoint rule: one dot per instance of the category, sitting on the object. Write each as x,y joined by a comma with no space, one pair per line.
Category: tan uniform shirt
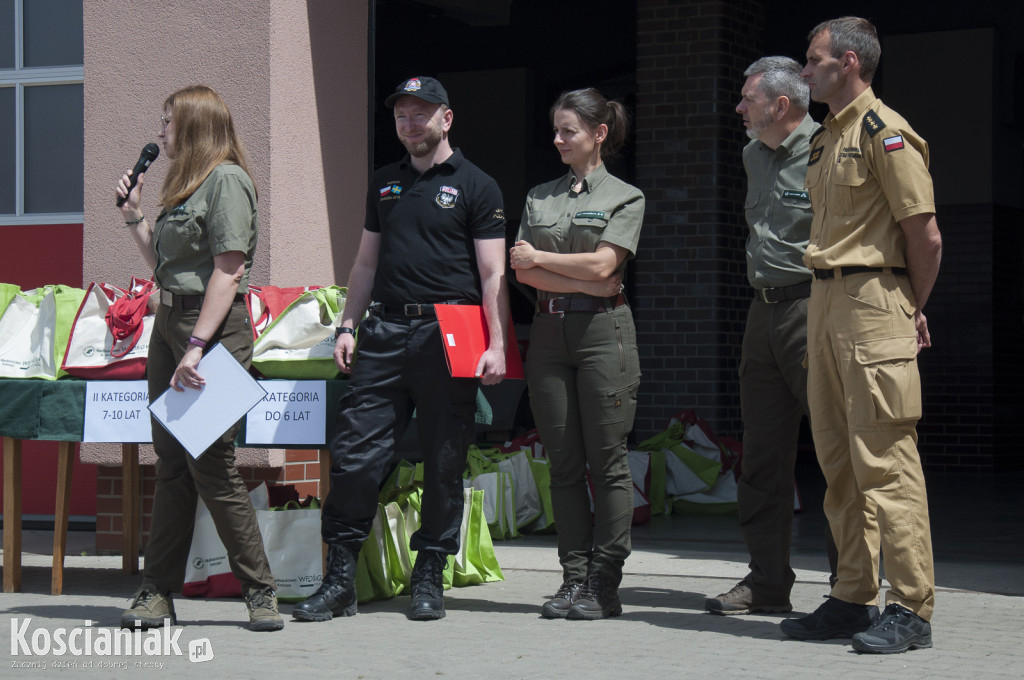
559,220
867,170
219,217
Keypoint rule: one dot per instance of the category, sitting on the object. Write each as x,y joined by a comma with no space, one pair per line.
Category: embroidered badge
893,143
593,214
815,155
446,197
412,85
872,123
390,192
801,195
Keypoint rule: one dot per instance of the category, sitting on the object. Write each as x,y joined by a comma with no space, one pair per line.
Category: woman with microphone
200,249
583,368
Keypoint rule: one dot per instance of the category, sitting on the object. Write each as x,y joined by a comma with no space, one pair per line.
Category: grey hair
852,34
780,76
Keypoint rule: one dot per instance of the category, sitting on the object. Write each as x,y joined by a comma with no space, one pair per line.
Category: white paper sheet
197,418
115,411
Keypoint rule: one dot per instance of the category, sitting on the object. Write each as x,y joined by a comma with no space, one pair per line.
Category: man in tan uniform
875,250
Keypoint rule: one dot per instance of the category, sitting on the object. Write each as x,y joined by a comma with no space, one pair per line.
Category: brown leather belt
782,293
847,271
186,303
561,305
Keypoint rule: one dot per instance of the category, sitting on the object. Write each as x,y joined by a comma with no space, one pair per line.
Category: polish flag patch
893,143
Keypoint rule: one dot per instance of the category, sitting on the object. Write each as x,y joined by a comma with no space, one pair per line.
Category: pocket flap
902,348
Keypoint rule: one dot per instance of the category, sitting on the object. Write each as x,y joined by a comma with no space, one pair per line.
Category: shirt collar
853,111
591,181
800,134
453,162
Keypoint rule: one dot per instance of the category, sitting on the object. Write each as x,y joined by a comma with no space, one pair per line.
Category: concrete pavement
495,631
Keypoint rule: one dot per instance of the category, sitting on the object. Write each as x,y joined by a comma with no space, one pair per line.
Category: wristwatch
343,329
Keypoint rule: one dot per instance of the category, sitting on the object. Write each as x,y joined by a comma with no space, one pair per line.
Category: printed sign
293,412
116,411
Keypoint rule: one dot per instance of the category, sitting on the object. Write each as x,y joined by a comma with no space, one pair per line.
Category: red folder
464,335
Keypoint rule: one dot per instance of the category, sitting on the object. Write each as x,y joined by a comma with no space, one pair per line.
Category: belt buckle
763,294
166,298
552,306
413,309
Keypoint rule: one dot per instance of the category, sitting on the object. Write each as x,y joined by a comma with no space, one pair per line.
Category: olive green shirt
778,209
219,217
556,219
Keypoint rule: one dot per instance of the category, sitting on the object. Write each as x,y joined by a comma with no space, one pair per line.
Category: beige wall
294,75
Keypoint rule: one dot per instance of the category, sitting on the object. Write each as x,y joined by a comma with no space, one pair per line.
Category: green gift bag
7,293
475,562
34,331
299,342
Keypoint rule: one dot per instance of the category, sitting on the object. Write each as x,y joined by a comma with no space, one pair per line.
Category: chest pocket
849,180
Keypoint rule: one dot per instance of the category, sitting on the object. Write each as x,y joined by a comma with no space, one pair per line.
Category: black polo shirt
427,224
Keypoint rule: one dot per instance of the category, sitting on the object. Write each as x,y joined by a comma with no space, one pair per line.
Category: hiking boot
895,631
336,595
833,619
149,608
428,586
558,606
596,599
741,600
261,603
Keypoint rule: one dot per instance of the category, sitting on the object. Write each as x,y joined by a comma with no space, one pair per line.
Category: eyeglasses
165,121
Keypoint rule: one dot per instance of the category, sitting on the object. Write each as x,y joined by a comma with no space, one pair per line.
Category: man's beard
755,129
424,147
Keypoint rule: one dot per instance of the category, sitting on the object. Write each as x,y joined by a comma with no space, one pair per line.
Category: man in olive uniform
773,380
874,250
434,234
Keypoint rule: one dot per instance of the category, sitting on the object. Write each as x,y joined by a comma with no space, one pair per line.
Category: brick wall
691,286
301,471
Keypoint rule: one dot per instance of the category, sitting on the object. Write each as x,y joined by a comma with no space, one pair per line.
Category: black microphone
148,155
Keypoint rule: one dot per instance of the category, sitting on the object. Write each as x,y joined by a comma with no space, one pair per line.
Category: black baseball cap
422,87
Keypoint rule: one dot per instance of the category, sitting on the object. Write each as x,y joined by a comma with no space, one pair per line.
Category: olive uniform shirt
778,209
867,170
556,219
219,217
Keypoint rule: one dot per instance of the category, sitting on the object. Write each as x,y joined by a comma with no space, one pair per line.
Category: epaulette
821,128
872,123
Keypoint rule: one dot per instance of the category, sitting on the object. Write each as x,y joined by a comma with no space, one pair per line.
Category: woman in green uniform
201,252
583,368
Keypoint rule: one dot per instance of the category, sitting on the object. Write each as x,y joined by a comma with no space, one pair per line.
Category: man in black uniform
434,233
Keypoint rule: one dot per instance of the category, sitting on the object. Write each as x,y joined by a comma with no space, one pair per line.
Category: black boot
428,586
597,598
336,595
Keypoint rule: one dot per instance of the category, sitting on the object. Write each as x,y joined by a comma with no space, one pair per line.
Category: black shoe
597,598
558,606
428,586
896,630
833,619
336,595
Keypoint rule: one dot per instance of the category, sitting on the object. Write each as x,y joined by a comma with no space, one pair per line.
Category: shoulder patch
815,155
872,123
894,143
